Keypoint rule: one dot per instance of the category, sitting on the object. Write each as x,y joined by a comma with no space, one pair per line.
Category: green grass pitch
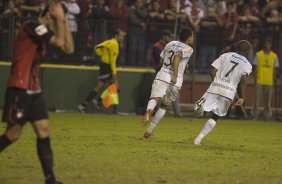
109,149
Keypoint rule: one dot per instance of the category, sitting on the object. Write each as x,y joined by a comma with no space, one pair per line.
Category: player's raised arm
176,59
68,40
61,33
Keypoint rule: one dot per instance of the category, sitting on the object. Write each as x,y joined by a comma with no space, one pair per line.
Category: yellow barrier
79,67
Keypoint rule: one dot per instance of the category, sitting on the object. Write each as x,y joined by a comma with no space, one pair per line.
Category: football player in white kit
227,71
168,80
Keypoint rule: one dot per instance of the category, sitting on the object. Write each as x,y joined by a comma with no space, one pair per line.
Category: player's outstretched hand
239,102
173,80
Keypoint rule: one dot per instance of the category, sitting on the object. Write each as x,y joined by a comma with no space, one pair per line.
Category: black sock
45,155
92,94
99,100
115,109
4,142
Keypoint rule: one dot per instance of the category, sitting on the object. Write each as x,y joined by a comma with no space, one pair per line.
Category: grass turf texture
104,149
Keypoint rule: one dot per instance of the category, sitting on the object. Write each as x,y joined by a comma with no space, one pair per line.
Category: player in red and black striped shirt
23,100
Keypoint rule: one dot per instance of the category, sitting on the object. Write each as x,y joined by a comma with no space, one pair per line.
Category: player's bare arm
56,11
162,61
175,64
68,41
239,100
213,72
243,84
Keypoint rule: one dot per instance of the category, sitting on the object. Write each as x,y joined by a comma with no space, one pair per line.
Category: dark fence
136,49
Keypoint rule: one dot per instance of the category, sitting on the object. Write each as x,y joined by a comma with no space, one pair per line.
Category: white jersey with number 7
230,68
167,54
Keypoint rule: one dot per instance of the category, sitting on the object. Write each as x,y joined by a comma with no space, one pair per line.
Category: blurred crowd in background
218,24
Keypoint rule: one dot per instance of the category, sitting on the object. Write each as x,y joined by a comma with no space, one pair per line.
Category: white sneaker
198,105
81,108
97,104
197,141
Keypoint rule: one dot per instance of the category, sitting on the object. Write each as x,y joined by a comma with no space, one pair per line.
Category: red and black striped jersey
29,50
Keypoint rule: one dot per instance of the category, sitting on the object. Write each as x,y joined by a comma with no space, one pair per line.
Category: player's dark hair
243,45
185,33
267,40
114,33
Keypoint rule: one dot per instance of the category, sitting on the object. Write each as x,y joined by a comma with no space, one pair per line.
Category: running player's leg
198,107
157,118
91,96
105,74
171,94
158,91
219,106
210,124
150,108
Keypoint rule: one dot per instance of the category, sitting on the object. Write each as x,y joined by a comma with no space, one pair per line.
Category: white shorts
165,91
214,103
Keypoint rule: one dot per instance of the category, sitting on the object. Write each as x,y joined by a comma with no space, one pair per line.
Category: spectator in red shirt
23,99
119,12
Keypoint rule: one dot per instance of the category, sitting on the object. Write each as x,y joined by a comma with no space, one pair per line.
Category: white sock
151,104
158,116
151,127
207,128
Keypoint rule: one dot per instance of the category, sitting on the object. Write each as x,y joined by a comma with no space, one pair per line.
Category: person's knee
98,85
13,133
155,98
214,117
43,132
163,106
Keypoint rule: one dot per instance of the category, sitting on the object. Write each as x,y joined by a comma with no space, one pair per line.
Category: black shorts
20,107
105,72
